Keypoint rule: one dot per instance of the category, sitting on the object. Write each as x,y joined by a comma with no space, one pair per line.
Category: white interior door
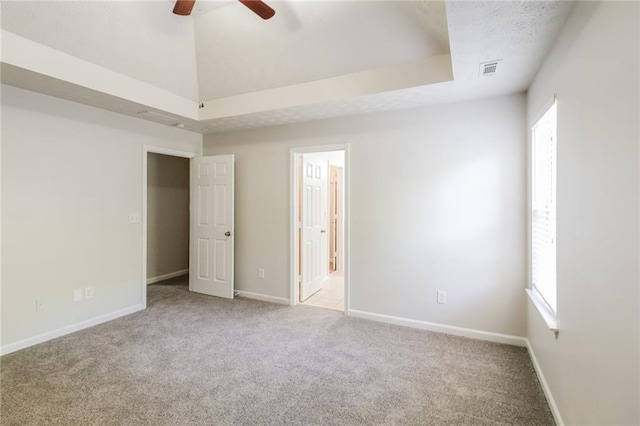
212,233
314,226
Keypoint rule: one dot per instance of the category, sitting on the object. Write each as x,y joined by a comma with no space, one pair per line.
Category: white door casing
212,226
333,218
295,241
315,254
340,213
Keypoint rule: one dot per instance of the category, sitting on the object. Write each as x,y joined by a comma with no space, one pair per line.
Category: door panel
314,227
212,233
203,258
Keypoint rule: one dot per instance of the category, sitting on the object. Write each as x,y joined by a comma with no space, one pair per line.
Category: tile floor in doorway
332,294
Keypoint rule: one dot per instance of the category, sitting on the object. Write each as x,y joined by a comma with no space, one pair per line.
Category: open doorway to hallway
321,218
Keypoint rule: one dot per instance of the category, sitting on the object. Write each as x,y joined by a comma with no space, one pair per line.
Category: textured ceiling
311,40
519,33
234,55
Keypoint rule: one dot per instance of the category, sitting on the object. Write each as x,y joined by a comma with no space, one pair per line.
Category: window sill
547,315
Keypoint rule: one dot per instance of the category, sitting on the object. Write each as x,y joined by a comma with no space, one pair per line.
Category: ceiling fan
184,7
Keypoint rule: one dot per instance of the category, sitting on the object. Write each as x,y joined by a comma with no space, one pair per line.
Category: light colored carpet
196,360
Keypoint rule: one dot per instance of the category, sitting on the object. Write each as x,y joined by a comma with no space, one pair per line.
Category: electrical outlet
442,297
77,295
134,217
88,292
39,305
260,272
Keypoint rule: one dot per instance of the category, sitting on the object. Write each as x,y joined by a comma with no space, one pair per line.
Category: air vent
158,116
488,68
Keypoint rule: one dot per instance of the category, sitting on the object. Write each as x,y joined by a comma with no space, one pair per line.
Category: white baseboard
167,276
442,328
545,386
263,297
40,338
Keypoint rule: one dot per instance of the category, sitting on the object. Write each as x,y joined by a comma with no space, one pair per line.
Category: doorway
211,222
319,227
173,154
167,218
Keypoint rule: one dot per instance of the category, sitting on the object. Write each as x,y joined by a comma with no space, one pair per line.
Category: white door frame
293,214
156,150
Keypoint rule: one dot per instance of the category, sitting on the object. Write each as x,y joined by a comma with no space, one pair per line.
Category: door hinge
299,225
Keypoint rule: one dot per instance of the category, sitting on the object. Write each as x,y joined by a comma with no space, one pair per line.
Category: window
543,214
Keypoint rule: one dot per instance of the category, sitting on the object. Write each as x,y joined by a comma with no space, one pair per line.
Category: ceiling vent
488,68
158,116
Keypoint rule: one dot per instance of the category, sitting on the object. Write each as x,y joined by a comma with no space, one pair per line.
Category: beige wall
71,175
167,214
438,201
593,367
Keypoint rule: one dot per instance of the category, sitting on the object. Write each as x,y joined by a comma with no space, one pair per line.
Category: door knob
323,231
228,234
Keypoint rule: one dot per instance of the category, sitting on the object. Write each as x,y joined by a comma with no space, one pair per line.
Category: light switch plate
77,295
88,292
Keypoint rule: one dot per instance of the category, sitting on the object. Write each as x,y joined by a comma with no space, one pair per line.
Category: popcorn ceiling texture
519,32
401,99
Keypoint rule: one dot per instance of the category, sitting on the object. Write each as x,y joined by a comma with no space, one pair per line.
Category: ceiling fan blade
259,8
183,7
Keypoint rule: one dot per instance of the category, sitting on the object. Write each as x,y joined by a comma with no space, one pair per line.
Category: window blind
543,215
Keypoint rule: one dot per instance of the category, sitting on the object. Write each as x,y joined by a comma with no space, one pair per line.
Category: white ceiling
224,50
143,40
237,52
